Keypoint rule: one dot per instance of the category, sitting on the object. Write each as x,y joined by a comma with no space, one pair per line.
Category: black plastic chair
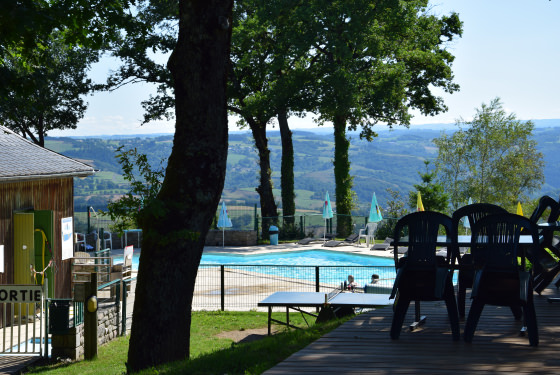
500,277
421,274
546,267
473,212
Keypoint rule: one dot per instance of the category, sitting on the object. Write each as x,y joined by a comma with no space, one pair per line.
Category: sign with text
67,229
20,293
127,260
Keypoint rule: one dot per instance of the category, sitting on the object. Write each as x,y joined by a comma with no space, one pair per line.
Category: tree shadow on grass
250,357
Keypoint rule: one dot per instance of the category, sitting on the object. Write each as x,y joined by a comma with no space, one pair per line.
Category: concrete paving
259,249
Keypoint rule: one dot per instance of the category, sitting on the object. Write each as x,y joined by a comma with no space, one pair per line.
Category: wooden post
90,320
317,283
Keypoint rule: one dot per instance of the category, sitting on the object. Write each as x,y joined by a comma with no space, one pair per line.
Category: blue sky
509,49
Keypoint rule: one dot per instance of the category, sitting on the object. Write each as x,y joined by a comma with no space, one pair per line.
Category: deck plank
363,346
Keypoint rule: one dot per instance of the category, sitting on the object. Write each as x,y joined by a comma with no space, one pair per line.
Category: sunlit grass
209,354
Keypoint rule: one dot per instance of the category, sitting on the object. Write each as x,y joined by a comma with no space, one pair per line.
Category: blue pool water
299,258
289,258
335,266
29,346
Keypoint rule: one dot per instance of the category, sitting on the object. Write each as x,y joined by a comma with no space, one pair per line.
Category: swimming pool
299,258
334,266
292,258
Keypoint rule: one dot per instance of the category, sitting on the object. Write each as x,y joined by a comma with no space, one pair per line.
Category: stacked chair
473,213
501,276
502,268
421,274
546,267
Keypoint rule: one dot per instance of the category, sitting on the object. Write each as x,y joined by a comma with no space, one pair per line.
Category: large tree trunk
342,177
175,224
269,210
41,131
287,170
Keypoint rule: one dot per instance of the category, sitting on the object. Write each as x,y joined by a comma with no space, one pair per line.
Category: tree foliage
27,21
45,50
27,25
492,159
372,62
434,197
395,209
355,63
259,87
150,30
48,95
267,79
145,183
287,182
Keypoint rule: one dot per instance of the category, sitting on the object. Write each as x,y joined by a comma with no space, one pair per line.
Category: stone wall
107,328
71,345
231,238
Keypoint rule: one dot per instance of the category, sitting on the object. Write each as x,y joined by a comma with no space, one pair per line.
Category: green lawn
112,176
209,353
58,146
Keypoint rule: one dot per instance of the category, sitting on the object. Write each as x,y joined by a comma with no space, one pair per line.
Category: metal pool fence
242,287
247,218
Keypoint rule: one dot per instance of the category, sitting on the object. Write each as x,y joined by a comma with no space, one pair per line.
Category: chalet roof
21,159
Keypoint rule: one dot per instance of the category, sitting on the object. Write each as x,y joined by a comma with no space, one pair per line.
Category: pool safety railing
22,319
291,228
242,287
117,293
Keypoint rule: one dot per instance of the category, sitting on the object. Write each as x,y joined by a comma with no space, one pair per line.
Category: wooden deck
363,345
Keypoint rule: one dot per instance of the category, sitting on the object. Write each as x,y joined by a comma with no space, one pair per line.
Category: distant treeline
392,160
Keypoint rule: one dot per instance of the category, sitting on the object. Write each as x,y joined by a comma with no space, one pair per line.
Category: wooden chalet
36,211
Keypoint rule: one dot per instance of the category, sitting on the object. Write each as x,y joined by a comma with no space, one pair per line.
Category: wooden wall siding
51,194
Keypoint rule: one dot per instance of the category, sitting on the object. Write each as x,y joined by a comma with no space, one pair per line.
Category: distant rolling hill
392,160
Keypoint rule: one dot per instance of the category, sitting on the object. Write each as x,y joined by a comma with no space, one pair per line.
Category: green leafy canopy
491,159
145,184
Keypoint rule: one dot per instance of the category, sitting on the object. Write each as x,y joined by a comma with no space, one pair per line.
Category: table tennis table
297,300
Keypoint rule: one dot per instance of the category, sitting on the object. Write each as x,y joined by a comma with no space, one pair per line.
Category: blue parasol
224,221
327,213
374,211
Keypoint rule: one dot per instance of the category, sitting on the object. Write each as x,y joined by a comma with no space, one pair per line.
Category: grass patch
58,146
110,360
209,353
235,158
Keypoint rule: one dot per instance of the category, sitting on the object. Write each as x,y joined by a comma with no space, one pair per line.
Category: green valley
392,160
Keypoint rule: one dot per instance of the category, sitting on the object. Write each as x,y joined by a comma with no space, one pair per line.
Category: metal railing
247,218
116,293
241,287
22,329
313,225
82,267
104,256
